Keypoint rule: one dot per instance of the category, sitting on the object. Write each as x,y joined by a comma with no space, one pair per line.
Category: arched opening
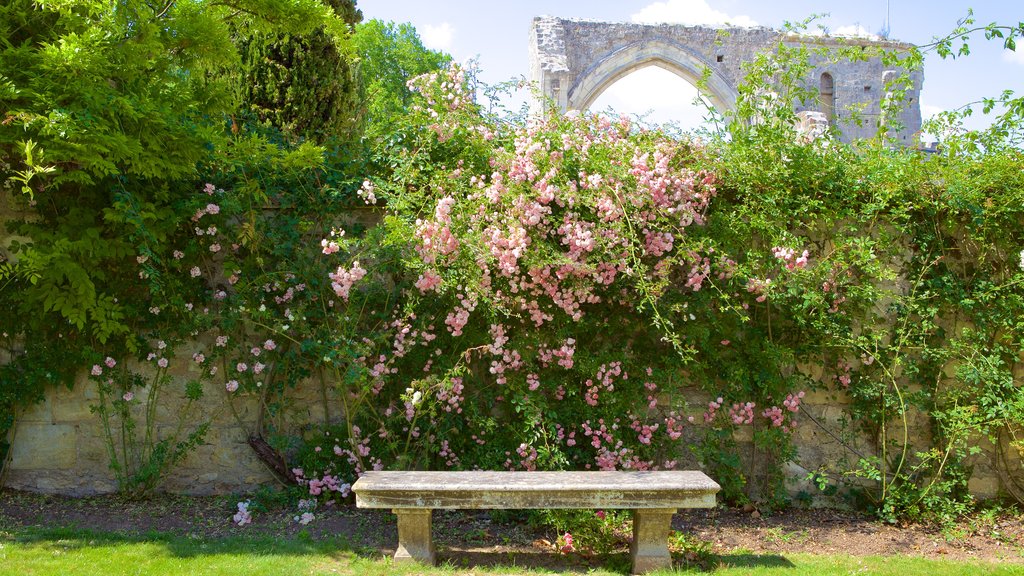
658,96
675,58
827,97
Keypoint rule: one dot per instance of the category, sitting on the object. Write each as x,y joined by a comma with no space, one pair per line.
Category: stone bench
652,496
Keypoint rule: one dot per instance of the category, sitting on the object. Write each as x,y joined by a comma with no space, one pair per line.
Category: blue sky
496,32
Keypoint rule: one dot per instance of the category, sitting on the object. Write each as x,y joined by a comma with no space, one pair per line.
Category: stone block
92,452
744,434
41,446
983,486
69,406
41,413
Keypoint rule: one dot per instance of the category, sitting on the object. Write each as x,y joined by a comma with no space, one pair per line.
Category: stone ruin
574,61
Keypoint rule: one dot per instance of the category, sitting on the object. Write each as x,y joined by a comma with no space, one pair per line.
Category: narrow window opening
720,58
867,88
827,97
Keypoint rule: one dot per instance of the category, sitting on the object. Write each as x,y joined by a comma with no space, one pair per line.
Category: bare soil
480,538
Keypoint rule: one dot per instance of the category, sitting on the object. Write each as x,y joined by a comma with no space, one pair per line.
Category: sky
496,34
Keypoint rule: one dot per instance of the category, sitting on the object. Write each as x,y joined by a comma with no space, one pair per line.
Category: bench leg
414,540
649,550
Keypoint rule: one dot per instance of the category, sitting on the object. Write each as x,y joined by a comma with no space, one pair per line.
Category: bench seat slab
535,490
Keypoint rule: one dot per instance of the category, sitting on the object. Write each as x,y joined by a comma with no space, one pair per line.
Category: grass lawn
81,552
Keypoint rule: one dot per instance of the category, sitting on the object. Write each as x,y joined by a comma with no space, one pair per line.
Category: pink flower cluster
712,410
450,458
527,458
674,426
329,246
792,401
644,431
542,230
435,240
564,354
211,209
742,413
457,320
759,287
429,280
658,243
242,516
328,483
452,398
565,544
788,255
342,279
367,192
777,415
844,373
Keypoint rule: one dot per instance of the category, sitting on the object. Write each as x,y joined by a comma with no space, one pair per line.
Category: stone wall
59,446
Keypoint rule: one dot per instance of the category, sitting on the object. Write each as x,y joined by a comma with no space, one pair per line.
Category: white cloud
1015,57
688,12
437,37
854,31
928,110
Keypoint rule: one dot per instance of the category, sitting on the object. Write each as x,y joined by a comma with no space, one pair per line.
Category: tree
390,54
306,85
109,112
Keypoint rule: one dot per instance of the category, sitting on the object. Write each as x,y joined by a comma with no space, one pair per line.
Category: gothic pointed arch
573,61
675,58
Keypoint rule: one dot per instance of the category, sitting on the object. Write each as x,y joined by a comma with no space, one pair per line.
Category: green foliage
600,532
47,362
122,105
914,298
490,318
109,112
389,56
306,85
141,452
692,551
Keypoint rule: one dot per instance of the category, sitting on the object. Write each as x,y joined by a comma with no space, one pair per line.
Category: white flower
1022,259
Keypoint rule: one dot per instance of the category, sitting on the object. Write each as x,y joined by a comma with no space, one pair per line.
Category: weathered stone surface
650,534
415,541
42,446
574,61
536,490
653,496
59,445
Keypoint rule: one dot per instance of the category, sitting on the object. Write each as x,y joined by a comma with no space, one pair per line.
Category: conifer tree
306,85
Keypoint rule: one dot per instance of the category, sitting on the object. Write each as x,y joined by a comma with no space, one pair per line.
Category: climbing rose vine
544,268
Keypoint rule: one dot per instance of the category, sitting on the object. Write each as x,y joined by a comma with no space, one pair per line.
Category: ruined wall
573,61
59,446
